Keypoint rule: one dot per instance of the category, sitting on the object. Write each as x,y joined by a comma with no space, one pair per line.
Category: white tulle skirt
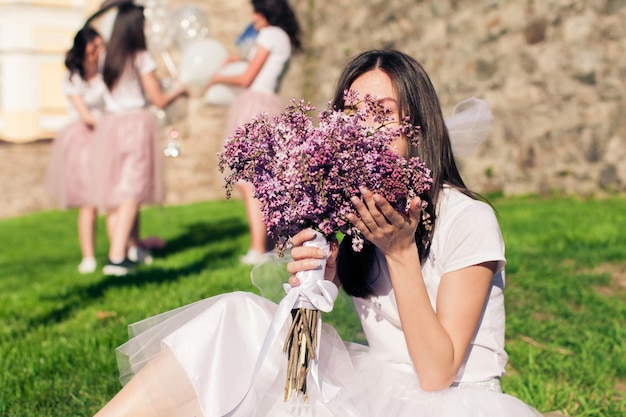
237,368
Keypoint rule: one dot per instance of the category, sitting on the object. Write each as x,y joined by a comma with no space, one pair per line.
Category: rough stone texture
553,72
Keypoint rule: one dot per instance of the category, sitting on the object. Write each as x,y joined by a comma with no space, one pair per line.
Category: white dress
231,349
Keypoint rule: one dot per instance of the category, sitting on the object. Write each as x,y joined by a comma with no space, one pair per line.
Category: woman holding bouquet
431,298
268,60
427,286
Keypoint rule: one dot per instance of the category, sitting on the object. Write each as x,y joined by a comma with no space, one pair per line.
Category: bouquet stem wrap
314,294
302,341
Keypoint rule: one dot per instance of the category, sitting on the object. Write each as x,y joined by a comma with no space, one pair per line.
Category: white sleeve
472,236
72,85
267,38
145,63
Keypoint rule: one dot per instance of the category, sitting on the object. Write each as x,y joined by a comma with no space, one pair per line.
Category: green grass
566,332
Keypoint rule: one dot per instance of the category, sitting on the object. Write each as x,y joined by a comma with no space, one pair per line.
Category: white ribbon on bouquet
314,292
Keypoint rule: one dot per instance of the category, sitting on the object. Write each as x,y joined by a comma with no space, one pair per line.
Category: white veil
468,125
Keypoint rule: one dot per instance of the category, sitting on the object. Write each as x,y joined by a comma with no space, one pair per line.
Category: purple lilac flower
304,173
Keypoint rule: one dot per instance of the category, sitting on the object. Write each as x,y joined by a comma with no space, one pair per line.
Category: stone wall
553,71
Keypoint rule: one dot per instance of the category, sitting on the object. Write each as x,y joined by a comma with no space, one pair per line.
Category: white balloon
189,24
220,95
223,94
200,60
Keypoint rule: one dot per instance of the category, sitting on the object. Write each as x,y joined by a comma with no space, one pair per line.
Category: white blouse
467,233
91,92
128,94
277,42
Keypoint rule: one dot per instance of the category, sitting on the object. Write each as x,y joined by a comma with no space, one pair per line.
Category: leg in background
111,222
134,239
126,214
87,238
136,250
87,231
258,231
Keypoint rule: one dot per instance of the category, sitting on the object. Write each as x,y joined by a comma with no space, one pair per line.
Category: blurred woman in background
68,170
126,153
279,36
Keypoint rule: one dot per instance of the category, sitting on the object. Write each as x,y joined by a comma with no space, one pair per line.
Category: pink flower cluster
305,174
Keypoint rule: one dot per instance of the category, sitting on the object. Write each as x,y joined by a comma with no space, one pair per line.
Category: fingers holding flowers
383,225
307,258
326,156
374,210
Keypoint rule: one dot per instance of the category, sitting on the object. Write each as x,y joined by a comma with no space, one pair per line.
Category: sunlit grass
566,313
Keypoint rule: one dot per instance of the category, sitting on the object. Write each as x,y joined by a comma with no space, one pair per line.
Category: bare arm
245,79
436,340
86,116
155,94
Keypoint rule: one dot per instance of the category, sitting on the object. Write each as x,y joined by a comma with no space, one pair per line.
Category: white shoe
254,257
139,255
87,266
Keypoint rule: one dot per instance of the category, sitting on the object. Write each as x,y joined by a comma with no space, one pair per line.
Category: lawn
566,293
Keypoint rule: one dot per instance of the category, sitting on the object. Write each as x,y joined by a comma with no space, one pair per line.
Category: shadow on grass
200,234
203,234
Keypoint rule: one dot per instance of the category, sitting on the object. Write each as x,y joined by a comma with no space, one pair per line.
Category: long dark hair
75,57
418,100
127,39
279,13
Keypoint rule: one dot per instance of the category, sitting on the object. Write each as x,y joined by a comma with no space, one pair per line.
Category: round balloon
223,94
200,60
189,24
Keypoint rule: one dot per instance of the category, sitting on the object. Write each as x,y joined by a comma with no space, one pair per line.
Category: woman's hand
383,225
307,258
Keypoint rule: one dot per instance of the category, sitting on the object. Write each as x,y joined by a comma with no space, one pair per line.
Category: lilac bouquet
304,175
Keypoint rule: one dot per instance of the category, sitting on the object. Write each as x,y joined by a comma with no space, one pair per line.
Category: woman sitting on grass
430,300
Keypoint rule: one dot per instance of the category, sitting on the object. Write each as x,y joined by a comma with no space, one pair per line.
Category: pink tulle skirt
248,104
125,160
231,351
68,169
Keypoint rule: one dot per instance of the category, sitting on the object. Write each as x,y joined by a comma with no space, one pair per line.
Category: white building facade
34,37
